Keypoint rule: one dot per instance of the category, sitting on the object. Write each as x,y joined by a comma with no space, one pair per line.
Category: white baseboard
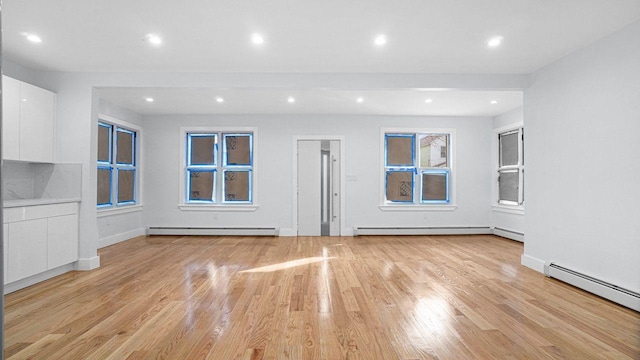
509,234
23,283
347,232
288,232
114,239
86,264
532,263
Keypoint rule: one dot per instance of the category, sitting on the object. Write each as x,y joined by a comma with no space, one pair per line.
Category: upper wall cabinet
28,122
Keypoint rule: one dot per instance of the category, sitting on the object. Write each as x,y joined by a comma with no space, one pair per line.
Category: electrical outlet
425,216
215,215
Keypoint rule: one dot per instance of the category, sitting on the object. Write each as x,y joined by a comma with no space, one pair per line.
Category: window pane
126,185
124,148
202,150
434,186
508,185
104,139
400,150
509,149
104,186
237,149
237,185
434,150
201,185
399,186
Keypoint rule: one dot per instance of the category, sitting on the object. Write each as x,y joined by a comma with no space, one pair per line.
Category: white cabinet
5,243
27,253
62,240
10,118
28,122
39,238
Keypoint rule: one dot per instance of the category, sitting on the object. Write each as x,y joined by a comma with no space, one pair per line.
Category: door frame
294,196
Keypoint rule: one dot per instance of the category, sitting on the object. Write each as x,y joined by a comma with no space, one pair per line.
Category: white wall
78,107
582,118
505,220
275,157
116,227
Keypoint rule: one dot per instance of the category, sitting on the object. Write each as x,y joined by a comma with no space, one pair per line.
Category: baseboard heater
601,288
224,231
509,234
444,230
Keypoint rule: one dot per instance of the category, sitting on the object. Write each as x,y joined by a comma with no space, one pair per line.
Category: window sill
217,207
417,208
517,210
117,210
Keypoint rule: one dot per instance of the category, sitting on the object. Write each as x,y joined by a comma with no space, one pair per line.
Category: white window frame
417,205
503,205
137,204
220,206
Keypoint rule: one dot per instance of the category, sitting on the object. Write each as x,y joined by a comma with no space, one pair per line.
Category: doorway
318,187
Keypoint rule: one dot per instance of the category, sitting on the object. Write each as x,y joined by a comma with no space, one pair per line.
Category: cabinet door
62,237
37,108
10,118
27,249
5,244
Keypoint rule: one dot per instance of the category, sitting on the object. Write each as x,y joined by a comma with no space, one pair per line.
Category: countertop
33,202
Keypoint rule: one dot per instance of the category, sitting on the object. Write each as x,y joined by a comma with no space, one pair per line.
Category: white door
318,187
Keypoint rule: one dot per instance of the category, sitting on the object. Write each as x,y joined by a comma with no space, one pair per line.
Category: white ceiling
316,101
305,36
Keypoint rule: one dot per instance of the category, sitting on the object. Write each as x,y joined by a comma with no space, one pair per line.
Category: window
117,165
511,167
219,176
417,168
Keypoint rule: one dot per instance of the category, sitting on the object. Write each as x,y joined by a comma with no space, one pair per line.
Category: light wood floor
445,297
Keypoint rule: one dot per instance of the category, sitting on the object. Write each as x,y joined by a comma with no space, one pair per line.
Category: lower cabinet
39,238
62,244
27,249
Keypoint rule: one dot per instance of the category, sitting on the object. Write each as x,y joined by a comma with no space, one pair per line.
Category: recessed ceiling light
219,99
24,99
149,99
34,38
257,39
360,100
380,40
493,102
291,99
495,41
153,39
429,101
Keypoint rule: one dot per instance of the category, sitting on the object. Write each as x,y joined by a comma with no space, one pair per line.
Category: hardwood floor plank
329,298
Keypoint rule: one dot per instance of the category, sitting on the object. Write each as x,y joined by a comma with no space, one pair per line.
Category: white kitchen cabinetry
39,238
62,235
27,249
10,118
28,122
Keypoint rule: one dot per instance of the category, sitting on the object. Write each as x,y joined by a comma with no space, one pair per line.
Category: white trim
516,210
217,207
31,280
138,153
288,232
294,176
117,210
532,263
86,264
183,164
418,206
114,239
